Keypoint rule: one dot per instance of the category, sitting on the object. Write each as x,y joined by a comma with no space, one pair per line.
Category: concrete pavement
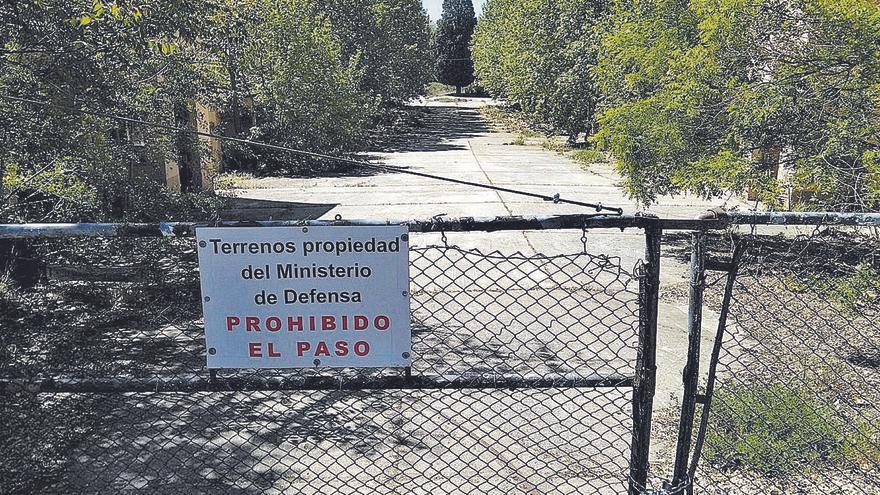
455,141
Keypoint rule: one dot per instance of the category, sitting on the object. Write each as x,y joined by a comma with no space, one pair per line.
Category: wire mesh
508,317
797,403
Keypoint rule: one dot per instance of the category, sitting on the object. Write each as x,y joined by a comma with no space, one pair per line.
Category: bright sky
434,7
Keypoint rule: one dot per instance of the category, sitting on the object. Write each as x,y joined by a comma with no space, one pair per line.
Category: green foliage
304,97
454,31
693,90
387,42
776,429
552,144
510,119
120,59
853,291
583,156
588,156
437,89
298,73
540,55
55,182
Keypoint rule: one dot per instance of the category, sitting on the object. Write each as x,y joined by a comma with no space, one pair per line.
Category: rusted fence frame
732,269
194,382
711,221
691,371
642,381
437,224
646,362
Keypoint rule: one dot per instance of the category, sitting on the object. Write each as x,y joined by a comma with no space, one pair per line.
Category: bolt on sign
295,297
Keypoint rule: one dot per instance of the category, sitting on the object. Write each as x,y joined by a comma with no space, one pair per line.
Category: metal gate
531,373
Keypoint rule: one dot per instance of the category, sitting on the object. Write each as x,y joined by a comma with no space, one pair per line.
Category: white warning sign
296,297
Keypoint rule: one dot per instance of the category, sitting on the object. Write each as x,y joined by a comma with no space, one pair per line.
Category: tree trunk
233,85
185,146
18,262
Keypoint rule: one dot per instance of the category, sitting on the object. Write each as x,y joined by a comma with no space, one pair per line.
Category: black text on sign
290,297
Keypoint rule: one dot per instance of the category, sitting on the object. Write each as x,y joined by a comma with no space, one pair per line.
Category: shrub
776,429
539,55
129,60
588,156
387,41
852,291
511,119
304,97
694,93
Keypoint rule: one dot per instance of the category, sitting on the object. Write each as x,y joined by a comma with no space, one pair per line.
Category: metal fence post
732,270
646,363
692,367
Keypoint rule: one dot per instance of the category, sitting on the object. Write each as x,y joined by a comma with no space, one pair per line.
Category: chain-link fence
531,373
796,404
521,382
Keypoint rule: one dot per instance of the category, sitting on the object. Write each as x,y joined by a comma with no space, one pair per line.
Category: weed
553,145
438,89
862,445
583,156
776,429
511,120
851,292
588,156
233,180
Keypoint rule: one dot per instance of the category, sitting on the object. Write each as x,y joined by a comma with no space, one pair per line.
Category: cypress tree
454,64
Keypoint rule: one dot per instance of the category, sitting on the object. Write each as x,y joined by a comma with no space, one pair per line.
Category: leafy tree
387,41
697,92
304,97
539,55
314,74
133,61
454,32
278,71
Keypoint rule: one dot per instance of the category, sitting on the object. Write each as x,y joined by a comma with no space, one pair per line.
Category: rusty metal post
646,363
692,366
732,271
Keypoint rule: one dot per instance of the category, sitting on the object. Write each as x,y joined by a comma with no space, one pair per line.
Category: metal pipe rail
463,224
713,220
205,383
802,218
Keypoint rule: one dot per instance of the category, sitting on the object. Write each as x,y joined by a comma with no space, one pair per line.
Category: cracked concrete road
457,142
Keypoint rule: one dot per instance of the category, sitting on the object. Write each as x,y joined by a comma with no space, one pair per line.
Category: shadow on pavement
438,129
248,209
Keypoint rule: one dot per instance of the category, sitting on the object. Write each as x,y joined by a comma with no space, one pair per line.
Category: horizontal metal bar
463,224
203,383
57,230
803,218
